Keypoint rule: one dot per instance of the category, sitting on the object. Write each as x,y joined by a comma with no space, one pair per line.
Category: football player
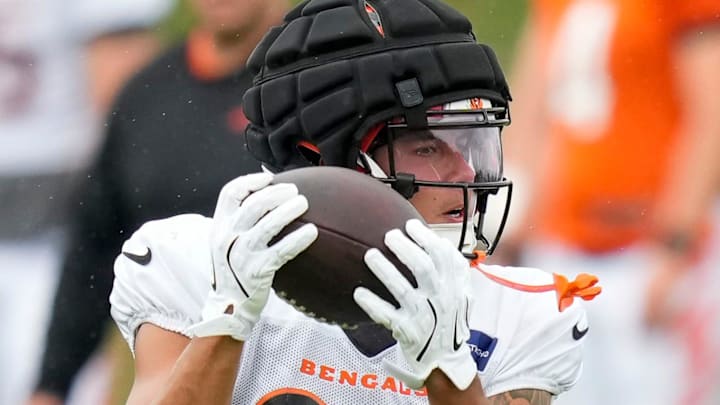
402,91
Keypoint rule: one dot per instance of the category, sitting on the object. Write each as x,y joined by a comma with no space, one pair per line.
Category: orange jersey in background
613,113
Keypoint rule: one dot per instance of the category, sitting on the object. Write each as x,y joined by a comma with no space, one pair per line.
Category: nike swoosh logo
577,333
456,345
227,258
142,260
432,333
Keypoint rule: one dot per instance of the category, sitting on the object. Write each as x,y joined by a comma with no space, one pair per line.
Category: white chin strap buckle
452,233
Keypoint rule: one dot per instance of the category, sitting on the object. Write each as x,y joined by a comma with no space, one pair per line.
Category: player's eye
425,151
426,148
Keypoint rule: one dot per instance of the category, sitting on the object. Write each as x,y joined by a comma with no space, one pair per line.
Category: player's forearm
525,144
442,391
525,138
113,58
205,372
694,171
522,397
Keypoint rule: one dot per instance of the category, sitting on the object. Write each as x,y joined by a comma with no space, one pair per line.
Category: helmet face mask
448,170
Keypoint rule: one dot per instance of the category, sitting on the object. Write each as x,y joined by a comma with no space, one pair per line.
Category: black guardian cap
335,68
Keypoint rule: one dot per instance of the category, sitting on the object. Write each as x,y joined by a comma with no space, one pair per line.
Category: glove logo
432,333
227,258
456,345
143,259
482,347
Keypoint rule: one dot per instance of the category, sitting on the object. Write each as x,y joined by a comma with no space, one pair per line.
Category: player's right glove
431,325
249,213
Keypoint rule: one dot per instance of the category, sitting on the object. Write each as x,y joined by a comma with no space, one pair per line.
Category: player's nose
460,171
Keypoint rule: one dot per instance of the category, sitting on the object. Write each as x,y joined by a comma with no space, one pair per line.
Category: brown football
352,212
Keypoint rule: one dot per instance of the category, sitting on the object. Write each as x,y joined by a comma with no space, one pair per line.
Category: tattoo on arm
522,397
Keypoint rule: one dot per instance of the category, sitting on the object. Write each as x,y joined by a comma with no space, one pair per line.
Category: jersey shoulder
522,339
162,275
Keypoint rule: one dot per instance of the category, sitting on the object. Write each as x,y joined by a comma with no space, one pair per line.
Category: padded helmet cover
328,74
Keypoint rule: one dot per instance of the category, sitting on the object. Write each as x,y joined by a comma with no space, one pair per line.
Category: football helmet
339,82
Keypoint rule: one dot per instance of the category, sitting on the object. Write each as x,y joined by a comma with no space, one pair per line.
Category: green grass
495,22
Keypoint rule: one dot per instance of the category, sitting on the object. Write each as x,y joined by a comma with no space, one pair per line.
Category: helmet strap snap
405,184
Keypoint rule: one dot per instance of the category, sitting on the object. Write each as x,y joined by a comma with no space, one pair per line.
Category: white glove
249,213
431,325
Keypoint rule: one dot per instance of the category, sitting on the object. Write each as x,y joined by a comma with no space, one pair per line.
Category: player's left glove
431,325
249,213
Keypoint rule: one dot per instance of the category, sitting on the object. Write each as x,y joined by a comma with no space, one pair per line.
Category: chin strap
584,286
452,233
477,257
372,166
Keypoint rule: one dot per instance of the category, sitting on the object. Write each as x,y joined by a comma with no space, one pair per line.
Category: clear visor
448,170
446,154
453,167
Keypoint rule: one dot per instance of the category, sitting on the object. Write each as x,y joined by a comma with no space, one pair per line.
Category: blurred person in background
175,129
60,62
617,130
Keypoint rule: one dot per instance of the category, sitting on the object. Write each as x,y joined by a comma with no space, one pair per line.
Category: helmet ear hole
310,153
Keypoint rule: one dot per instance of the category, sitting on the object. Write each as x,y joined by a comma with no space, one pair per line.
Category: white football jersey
519,339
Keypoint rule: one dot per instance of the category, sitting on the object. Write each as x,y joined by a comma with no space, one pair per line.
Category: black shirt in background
172,142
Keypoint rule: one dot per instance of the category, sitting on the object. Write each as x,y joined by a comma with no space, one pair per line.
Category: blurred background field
495,22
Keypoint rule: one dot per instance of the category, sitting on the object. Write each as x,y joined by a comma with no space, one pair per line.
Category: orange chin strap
480,257
584,285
